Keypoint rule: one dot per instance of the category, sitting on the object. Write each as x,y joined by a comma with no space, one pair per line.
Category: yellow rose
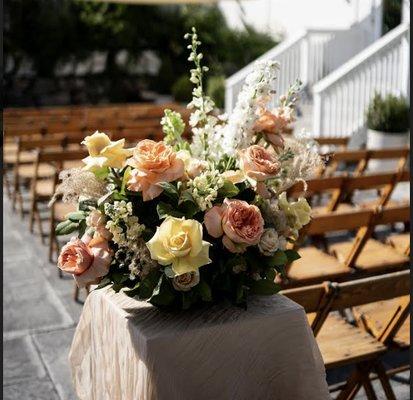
104,153
298,212
178,242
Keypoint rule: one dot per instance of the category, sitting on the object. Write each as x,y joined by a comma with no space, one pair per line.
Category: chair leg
353,385
385,382
39,225
33,210
75,292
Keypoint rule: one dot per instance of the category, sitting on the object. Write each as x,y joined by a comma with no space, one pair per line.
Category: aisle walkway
40,317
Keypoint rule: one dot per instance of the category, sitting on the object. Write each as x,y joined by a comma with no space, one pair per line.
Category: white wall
289,16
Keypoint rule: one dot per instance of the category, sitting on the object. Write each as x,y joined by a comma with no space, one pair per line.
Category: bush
390,115
216,90
182,89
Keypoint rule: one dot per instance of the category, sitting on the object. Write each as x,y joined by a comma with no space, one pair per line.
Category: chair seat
400,242
26,157
44,188
27,171
342,344
316,266
62,209
377,316
374,257
73,164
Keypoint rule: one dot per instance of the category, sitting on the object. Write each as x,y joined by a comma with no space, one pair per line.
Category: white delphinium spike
239,132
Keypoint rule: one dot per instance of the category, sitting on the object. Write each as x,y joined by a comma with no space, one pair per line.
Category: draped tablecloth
124,349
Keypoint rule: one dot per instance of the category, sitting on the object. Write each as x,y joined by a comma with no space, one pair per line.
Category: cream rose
240,224
193,166
270,242
87,259
153,162
104,153
178,242
186,281
297,212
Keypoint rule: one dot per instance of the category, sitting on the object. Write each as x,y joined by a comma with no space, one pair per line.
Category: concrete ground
39,319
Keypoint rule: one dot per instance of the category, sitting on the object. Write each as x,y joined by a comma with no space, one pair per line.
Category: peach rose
87,259
258,163
153,162
240,224
272,125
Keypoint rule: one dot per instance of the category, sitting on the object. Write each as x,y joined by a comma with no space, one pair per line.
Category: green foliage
173,127
390,115
182,89
392,14
48,34
216,90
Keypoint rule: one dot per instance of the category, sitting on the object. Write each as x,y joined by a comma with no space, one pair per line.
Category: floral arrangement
181,223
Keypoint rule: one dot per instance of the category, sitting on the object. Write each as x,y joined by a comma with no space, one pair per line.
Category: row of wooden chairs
340,161
381,304
338,193
360,255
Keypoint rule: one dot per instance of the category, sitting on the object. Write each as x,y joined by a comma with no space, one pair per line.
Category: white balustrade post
406,11
304,60
317,115
405,66
229,94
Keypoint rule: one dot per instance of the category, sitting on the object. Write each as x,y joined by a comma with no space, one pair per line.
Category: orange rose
240,224
153,162
87,259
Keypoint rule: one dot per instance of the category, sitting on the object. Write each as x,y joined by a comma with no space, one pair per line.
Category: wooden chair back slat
391,215
372,289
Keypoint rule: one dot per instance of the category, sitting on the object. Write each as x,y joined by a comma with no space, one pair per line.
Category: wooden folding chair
383,183
42,190
398,154
316,265
339,162
341,343
330,187
373,256
24,173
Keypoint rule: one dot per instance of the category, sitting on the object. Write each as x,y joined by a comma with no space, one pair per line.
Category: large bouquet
181,224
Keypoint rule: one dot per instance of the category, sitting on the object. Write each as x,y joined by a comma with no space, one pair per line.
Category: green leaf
204,291
101,173
170,190
279,258
148,284
76,216
292,255
66,227
104,198
168,271
126,176
164,210
228,190
86,205
163,294
270,274
104,282
264,287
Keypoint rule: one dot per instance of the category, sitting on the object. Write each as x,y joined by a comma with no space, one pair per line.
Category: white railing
309,55
341,98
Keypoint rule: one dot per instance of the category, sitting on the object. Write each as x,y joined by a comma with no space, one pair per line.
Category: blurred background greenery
74,52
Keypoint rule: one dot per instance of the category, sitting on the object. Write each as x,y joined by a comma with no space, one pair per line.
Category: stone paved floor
39,318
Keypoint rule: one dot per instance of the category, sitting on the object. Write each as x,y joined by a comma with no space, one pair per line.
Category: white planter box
377,140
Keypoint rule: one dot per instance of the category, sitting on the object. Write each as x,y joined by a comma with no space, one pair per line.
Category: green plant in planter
182,89
389,114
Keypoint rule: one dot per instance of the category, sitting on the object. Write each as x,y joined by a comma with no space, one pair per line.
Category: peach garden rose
240,224
153,162
86,259
259,164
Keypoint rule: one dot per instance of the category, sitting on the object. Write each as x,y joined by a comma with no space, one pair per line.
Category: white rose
185,282
270,242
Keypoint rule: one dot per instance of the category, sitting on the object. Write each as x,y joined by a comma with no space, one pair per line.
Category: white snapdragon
239,132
